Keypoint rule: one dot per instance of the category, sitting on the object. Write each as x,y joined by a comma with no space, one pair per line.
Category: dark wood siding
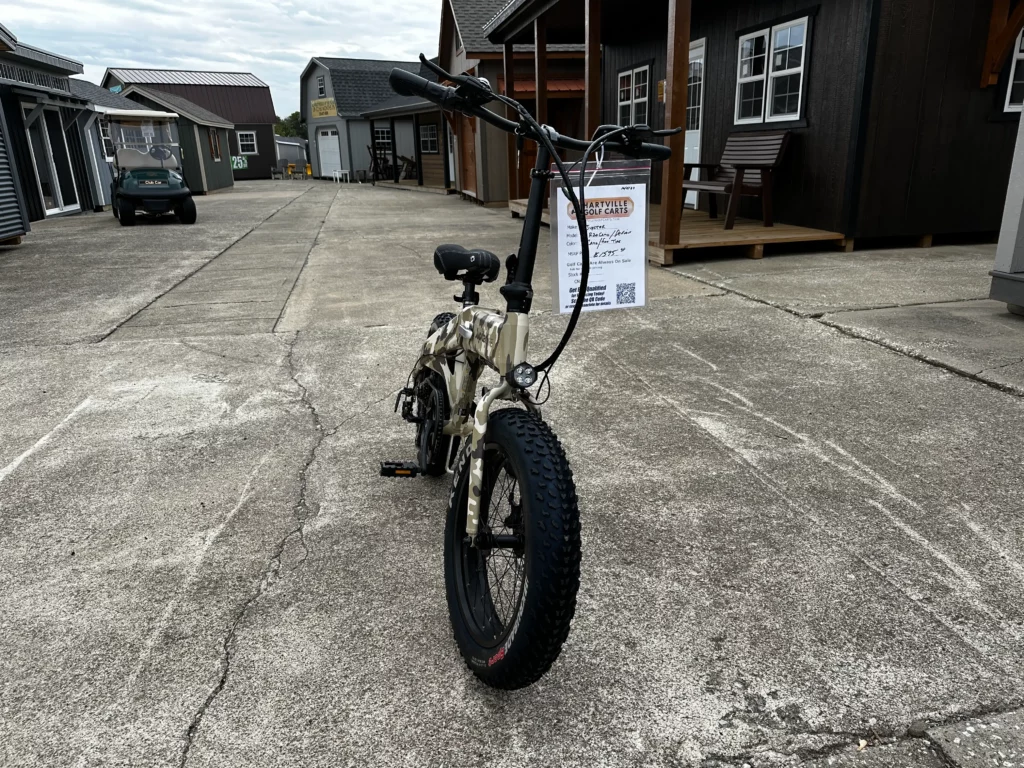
811,185
266,157
938,148
190,167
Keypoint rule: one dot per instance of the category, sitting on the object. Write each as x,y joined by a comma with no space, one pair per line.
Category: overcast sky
273,39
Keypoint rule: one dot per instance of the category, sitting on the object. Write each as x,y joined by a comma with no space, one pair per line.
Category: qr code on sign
625,293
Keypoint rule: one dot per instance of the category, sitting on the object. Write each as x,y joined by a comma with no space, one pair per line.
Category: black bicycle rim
490,582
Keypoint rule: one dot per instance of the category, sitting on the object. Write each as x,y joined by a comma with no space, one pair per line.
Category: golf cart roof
137,114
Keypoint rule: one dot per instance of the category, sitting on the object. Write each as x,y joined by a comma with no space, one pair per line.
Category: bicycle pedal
399,469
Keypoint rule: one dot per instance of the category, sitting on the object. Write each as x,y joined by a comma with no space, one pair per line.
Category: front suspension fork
476,457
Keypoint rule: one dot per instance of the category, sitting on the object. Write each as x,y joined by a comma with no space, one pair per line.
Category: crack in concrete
860,335
302,512
305,263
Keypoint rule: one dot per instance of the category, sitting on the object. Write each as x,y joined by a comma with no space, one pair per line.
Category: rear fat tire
440,322
432,444
533,638
126,213
187,211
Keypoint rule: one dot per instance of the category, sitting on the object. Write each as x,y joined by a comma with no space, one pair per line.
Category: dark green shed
205,153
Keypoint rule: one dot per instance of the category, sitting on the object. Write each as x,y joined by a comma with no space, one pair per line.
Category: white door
694,112
330,151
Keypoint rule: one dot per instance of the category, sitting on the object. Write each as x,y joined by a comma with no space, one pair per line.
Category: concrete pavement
800,544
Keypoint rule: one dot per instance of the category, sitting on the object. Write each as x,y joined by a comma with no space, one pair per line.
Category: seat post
469,297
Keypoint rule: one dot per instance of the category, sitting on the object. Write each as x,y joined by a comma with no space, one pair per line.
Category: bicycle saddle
476,266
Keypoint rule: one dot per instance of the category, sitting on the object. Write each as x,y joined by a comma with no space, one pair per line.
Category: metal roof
38,56
185,77
7,39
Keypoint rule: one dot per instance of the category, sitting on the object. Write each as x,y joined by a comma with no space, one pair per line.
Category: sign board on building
615,204
239,162
323,108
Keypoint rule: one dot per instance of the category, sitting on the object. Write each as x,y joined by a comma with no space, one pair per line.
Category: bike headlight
523,376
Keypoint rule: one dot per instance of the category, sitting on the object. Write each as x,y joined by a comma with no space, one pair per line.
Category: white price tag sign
617,234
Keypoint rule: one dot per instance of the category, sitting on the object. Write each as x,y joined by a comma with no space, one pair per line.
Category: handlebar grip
407,84
655,152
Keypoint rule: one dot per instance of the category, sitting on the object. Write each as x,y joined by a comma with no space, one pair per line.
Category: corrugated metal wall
13,220
20,153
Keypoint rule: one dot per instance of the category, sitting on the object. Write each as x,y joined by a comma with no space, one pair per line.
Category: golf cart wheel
126,213
187,211
512,595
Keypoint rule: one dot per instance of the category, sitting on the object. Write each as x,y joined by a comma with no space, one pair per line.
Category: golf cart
147,170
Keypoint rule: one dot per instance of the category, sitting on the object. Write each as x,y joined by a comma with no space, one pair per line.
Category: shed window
1015,91
774,61
634,96
214,144
428,139
382,140
321,87
246,142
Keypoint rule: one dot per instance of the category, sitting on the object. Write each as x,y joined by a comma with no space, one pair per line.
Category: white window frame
381,142
632,101
763,77
769,75
772,75
429,140
238,138
321,86
1017,58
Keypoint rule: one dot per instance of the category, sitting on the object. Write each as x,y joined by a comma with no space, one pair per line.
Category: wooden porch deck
698,232
413,185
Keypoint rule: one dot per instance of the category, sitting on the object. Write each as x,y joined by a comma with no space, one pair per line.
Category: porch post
373,150
678,70
508,61
592,98
443,128
394,153
540,67
418,149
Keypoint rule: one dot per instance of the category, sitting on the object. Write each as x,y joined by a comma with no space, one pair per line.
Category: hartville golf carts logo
605,208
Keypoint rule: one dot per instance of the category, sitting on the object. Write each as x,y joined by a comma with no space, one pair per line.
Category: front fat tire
551,525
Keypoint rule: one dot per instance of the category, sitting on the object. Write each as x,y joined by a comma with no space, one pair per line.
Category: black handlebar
471,95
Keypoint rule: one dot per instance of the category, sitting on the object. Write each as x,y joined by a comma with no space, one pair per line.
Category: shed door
467,153
12,222
330,151
694,111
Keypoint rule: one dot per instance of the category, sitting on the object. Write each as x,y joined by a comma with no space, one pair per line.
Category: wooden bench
744,152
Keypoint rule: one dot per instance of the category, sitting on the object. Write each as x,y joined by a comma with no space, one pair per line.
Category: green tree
293,125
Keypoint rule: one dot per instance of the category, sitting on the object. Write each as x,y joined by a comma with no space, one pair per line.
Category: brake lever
667,132
435,68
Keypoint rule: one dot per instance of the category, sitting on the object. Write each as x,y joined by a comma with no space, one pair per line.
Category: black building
240,98
902,113
44,167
